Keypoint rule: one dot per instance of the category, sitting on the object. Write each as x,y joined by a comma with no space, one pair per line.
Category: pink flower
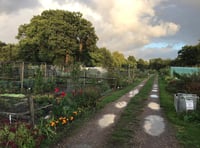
56,90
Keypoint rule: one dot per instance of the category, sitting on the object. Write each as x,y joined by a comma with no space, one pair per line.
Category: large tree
57,37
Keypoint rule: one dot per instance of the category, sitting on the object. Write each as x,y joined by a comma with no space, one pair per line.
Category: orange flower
71,118
75,112
57,121
64,121
52,124
61,118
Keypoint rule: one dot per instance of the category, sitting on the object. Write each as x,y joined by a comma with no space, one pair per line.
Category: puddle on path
154,90
121,104
154,125
106,120
155,86
154,106
133,93
141,85
154,96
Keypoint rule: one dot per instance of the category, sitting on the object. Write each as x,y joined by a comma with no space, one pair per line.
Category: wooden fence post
31,106
22,76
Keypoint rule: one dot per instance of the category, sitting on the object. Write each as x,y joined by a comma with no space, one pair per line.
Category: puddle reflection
106,120
121,104
154,96
154,125
154,106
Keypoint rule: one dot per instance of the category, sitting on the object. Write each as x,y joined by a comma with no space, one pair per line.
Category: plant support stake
10,118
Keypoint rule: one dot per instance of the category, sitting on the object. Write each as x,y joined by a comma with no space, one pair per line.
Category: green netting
184,70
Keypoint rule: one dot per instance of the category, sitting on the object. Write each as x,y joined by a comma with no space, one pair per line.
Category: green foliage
188,56
159,63
87,97
75,73
18,136
42,84
102,57
185,83
46,130
39,83
57,37
142,65
63,106
118,59
187,124
9,52
132,61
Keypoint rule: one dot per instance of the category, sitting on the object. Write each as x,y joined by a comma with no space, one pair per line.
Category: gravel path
154,131
95,132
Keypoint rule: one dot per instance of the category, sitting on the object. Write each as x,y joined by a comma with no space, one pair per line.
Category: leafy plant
17,136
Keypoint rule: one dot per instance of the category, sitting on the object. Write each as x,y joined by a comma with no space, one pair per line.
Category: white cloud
9,23
129,24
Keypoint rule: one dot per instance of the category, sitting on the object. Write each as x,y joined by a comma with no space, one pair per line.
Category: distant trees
142,64
159,63
131,61
9,52
118,59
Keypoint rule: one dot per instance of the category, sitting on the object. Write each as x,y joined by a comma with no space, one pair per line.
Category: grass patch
188,133
124,129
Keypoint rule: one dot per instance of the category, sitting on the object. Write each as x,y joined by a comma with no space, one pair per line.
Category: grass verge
188,133
124,129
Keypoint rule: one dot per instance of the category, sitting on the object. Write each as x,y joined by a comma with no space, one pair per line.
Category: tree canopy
189,56
57,37
102,57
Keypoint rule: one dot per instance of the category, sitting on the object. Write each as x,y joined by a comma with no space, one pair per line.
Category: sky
144,29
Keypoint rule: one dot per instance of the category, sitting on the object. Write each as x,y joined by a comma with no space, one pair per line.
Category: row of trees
63,37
